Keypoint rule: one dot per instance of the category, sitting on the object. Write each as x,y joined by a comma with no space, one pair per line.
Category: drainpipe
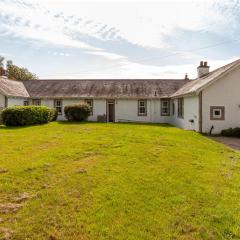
200,121
6,102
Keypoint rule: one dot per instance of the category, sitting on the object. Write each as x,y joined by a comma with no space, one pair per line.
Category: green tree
2,66
14,72
17,73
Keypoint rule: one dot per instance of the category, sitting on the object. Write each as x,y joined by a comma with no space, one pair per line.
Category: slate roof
197,85
133,88
12,88
111,88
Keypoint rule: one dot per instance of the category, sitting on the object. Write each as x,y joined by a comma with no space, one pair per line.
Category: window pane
142,107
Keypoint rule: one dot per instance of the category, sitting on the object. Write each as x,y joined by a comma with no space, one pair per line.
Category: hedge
27,115
231,132
77,112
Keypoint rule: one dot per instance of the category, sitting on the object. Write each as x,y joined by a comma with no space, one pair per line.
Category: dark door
111,111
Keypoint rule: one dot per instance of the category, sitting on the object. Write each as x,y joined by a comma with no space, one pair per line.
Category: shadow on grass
3,127
116,123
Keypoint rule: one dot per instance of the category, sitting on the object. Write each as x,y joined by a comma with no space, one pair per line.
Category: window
180,107
58,106
36,102
25,103
173,108
142,107
165,107
217,113
90,103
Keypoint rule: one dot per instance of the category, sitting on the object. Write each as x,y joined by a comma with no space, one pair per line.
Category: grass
116,181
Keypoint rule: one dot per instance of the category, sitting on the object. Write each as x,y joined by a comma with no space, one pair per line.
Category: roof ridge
113,79
200,83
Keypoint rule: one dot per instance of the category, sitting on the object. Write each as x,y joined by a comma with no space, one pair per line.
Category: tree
1,61
21,74
2,72
14,72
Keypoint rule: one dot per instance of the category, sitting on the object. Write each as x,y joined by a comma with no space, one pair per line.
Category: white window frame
165,107
26,103
142,107
181,107
58,106
36,102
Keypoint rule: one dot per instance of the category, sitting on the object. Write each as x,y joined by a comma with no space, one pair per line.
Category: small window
165,107
58,106
90,103
180,107
142,107
26,103
173,108
36,102
217,113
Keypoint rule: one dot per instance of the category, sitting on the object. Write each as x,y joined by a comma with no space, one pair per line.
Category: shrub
27,115
77,112
231,132
54,114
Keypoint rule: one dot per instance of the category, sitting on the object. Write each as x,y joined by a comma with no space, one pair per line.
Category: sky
70,39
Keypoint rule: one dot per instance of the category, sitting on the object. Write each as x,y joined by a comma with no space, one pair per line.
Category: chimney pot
203,69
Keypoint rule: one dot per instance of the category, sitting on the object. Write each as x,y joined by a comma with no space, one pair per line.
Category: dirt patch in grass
22,197
9,207
5,233
3,170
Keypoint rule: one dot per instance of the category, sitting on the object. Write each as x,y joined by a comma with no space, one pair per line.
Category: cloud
134,37
143,23
107,55
62,54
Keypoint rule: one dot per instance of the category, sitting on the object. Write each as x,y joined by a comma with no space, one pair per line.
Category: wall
127,110
191,112
15,101
224,92
2,101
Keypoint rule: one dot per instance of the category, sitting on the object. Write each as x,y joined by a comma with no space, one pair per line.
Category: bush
231,132
77,112
27,115
54,114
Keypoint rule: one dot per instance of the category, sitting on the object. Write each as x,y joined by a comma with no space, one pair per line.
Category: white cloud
62,54
108,55
128,70
81,24
143,23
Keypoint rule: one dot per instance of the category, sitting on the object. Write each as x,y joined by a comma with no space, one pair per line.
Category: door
110,111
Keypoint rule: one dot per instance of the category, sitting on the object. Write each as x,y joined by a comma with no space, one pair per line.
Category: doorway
110,111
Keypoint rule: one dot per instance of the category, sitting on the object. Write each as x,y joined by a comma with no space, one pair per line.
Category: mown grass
117,181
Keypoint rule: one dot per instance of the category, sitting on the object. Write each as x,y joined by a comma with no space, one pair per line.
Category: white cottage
209,103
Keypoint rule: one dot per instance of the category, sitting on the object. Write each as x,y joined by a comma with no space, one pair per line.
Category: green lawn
116,181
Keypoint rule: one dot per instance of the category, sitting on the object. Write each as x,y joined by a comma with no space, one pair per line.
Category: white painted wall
47,102
15,101
99,107
127,110
191,112
224,92
2,101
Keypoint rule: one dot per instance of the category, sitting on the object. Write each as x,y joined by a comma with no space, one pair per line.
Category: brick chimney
203,69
